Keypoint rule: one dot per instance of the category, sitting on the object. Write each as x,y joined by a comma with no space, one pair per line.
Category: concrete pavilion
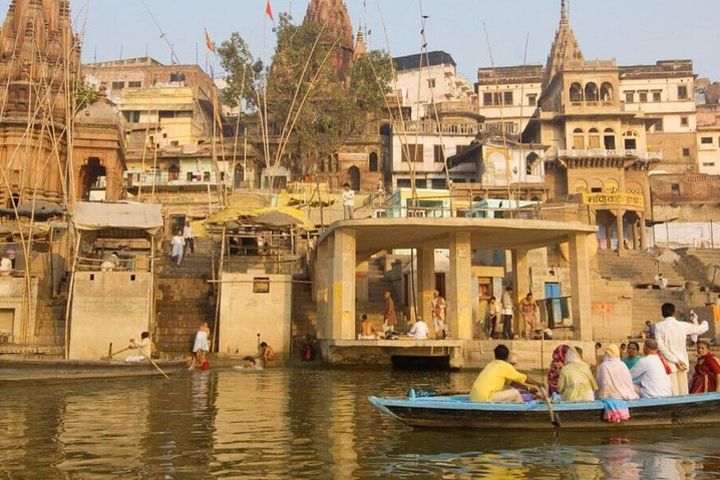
344,250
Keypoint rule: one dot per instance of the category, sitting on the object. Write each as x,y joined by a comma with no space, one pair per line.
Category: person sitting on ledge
419,330
367,330
490,384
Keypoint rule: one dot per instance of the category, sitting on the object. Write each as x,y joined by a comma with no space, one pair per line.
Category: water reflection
301,424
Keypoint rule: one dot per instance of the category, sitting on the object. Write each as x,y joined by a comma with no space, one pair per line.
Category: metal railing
166,178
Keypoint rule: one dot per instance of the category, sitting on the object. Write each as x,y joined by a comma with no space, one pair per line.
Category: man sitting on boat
650,374
490,384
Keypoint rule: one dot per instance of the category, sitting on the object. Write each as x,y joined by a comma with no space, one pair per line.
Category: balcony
166,179
454,128
617,153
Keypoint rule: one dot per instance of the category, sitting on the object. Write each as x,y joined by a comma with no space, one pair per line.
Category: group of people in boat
661,371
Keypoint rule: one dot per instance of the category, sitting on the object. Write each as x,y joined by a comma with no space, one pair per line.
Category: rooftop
419,60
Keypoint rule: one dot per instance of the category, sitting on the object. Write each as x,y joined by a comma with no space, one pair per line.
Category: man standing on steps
178,248
189,238
671,335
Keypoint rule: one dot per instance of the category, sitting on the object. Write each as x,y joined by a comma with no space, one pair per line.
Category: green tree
85,95
307,99
243,72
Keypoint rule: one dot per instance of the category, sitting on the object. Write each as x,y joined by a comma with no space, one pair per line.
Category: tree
317,110
243,72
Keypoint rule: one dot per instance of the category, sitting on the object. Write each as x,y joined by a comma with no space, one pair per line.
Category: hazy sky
633,31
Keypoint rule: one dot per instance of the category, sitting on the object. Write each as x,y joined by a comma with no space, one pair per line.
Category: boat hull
18,370
459,412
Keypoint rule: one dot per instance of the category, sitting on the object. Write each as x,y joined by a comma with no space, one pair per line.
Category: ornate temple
39,63
334,16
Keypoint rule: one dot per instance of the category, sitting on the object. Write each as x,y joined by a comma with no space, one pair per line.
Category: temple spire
565,48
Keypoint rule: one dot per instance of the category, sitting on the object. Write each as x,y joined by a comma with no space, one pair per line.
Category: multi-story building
598,146
708,126
509,94
425,79
662,93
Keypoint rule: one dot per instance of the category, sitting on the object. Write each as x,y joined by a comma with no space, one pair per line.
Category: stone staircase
635,266
304,313
698,265
647,303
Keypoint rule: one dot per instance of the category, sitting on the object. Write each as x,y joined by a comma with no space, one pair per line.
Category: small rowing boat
460,412
14,370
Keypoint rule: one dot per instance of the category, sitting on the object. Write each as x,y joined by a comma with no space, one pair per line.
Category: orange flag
209,43
269,12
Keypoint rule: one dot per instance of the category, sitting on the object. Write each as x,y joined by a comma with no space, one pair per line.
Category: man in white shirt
671,336
649,374
348,201
506,302
189,238
419,330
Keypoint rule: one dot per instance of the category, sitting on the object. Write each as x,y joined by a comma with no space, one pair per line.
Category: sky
632,31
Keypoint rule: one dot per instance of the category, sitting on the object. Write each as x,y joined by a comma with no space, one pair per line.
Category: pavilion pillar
341,285
362,284
620,229
320,288
643,237
580,285
426,283
521,285
635,235
459,287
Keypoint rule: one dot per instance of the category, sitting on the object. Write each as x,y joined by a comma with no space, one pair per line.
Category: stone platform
380,352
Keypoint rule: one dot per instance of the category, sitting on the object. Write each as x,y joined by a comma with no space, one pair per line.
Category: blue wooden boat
460,412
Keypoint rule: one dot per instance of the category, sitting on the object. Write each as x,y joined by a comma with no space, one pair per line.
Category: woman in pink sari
558,362
613,377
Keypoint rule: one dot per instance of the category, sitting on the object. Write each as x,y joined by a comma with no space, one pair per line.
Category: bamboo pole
218,294
70,296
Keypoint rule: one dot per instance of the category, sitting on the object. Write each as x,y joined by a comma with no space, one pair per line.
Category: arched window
612,186
578,139
594,138
354,178
576,93
597,185
630,140
531,163
609,139
173,172
591,92
606,92
581,186
373,167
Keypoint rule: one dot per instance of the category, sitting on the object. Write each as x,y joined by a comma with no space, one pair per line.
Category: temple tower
565,48
333,14
39,61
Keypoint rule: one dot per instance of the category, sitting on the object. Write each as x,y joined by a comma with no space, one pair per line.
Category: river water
293,423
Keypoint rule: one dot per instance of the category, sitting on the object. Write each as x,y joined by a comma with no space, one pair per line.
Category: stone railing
617,153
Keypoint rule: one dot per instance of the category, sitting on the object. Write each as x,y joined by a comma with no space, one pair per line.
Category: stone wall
108,307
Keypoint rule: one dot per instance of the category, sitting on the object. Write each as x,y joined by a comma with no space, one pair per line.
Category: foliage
243,71
85,95
333,108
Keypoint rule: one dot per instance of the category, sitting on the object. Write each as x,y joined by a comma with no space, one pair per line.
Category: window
684,121
431,83
532,100
438,154
675,188
135,84
686,152
531,162
166,114
403,183
629,97
682,92
656,96
412,151
118,85
591,92
643,97
373,167
606,92
596,190
708,164
462,149
508,98
576,93
706,140
594,138
132,117
658,125
487,98
578,139
261,285
609,139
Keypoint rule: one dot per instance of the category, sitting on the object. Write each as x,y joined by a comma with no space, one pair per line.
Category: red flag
209,43
269,12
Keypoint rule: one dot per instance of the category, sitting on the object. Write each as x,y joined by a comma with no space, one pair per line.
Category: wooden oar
150,360
554,419
109,357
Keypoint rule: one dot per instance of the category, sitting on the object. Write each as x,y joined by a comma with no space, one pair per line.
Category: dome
101,113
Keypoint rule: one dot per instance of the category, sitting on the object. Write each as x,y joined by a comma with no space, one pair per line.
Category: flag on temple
209,43
269,12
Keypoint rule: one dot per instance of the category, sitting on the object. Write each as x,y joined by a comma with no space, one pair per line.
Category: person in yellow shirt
490,385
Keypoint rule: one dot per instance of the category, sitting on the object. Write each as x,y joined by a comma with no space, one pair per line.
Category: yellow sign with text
614,200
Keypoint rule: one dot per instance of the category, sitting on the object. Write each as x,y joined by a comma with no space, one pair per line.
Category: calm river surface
300,424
